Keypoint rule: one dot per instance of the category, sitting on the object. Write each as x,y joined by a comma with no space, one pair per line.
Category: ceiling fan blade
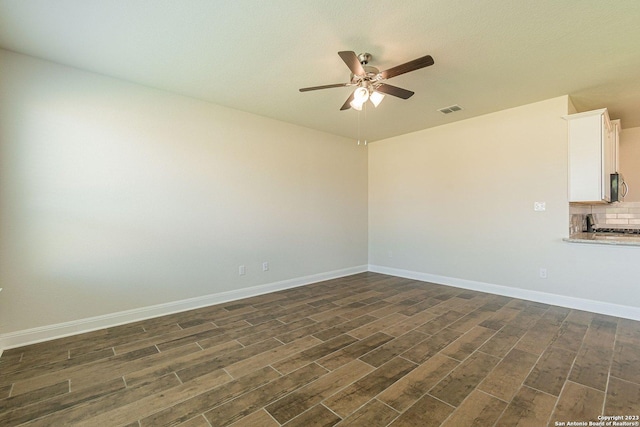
307,89
394,91
351,59
416,64
347,104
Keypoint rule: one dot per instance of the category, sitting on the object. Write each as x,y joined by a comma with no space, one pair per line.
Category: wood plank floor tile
351,398
316,327
187,401
182,357
500,318
251,363
529,408
603,331
623,398
628,330
82,373
318,416
470,320
274,332
537,338
373,414
578,403
226,359
257,419
31,412
426,412
591,367
127,347
24,372
311,354
551,371
528,316
300,400
107,403
570,336
580,317
391,349
408,323
507,377
366,349
477,410
456,386
440,322
625,361
353,351
503,341
556,315
410,388
199,421
427,348
377,325
257,398
5,391
34,396
344,328
234,333
473,338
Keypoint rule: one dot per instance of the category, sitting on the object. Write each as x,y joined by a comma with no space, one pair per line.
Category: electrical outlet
265,266
539,206
390,254
242,270
543,273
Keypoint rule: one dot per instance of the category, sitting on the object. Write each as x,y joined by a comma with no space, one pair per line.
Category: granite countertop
605,239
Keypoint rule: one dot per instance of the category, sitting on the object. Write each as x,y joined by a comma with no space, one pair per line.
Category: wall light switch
242,270
539,206
265,266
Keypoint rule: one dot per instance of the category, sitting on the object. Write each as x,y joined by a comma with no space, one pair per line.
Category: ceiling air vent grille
450,109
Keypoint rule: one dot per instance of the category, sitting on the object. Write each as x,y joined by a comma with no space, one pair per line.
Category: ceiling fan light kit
368,80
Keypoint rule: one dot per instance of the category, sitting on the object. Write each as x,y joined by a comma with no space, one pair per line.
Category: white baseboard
60,330
600,307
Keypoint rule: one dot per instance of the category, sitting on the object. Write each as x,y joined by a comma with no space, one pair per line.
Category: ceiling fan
369,80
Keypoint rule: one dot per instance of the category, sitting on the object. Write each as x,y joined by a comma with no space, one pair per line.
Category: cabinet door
608,153
586,158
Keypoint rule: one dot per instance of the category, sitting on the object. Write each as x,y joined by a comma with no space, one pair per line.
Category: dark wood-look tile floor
364,350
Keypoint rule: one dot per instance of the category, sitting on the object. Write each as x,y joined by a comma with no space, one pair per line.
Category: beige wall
630,162
114,196
454,204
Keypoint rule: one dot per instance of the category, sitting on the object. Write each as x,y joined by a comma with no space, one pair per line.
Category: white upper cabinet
593,155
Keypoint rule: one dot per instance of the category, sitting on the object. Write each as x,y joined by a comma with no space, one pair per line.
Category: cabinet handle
626,189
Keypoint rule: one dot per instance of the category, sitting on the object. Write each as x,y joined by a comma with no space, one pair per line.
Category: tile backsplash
614,215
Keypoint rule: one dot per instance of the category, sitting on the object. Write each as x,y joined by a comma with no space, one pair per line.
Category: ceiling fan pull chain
358,114
365,125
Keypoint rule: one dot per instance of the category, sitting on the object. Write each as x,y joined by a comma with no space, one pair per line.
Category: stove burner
618,230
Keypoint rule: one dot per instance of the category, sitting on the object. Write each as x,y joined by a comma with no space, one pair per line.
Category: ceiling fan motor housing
364,58
372,74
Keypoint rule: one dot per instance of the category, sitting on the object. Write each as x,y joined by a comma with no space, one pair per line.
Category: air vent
450,109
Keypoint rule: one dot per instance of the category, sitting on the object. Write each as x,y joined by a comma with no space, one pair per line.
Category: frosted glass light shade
376,98
357,105
361,95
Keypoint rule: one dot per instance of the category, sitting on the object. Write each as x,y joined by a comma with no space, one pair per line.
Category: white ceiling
253,55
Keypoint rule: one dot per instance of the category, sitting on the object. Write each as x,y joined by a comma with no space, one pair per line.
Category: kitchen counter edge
598,239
